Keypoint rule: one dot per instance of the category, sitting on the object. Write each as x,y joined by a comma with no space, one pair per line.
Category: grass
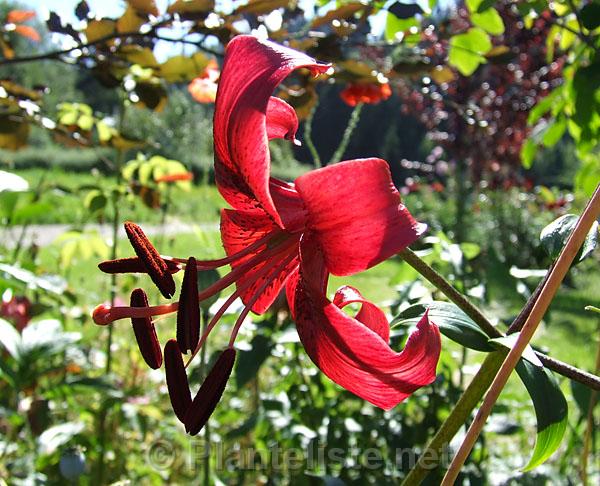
66,190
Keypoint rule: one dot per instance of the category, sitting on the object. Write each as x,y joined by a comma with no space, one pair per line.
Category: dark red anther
155,265
188,314
145,334
177,382
132,265
210,392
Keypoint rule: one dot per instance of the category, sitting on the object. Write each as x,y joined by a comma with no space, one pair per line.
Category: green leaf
9,337
394,25
509,341
490,21
544,105
588,175
550,410
452,321
554,236
467,50
528,151
554,132
249,362
485,16
590,16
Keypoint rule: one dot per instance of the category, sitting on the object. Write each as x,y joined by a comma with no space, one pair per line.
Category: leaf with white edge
550,410
509,341
51,439
12,182
9,338
467,50
452,322
554,236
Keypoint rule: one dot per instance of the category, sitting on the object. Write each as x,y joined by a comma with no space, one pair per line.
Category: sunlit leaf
346,11
467,50
487,18
259,7
452,321
9,337
528,151
554,237
130,21
191,6
98,29
550,411
12,182
51,439
147,7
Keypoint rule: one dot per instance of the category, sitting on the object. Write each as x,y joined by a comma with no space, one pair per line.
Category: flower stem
560,269
352,123
589,429
459,415
308,135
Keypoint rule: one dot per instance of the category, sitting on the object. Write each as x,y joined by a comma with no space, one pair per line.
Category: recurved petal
282,121
369,314
358,359
252,70
352,353
356,214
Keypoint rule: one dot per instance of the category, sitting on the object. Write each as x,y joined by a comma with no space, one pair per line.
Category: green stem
564,369
308,136
457,418
352,123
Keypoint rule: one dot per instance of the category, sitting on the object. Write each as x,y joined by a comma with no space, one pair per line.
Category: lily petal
356,357
238,230
369,314
341,199
252,70
282,121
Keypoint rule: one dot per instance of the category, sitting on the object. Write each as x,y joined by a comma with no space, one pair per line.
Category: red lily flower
338,220
371,93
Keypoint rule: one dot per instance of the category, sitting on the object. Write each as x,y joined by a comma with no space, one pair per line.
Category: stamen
210,393
133,265
105,314
210,264
238,292
177,382
145,333
256,296
155,266
188,315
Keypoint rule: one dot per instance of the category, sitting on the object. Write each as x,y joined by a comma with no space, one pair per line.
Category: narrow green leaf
550,410
509,342
452,321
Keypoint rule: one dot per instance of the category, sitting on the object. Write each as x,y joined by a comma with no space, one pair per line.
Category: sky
113,8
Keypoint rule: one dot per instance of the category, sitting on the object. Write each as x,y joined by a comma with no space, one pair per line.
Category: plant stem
352,123
590,424
560,269
459,415
206,459
113,292
308,135
474,313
